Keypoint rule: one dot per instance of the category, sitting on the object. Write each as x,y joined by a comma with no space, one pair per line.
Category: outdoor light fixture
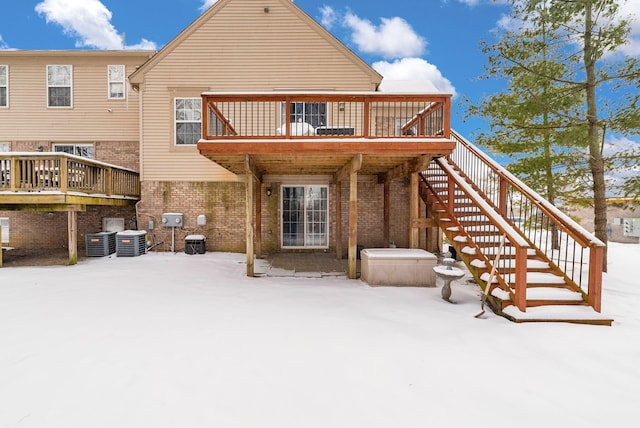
269,191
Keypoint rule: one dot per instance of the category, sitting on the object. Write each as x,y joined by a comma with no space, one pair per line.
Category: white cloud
87,20
329,16
629,9
414,69
3,45
394,38
206,4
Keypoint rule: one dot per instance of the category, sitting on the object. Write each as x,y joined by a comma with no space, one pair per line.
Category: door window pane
305,216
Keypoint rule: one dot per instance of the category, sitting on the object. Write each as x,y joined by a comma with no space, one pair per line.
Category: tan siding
28,117
240,48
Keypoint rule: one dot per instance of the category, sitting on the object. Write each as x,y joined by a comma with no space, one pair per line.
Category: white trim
176,121
59,86
75,146
6,85
123,82
4,221
327,220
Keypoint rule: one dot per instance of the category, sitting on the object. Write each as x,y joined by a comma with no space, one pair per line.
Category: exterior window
59,85
315,114
84,150
4,222
4,147
188,116
305,216
4,86
116,82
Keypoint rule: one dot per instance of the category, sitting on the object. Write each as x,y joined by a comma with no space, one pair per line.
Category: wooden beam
250,225
72,230
414,212
316,146
258,214
353,224
43,207
251,168
353,166
338,231
423,223
418,164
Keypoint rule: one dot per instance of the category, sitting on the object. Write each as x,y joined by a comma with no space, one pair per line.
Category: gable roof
137,77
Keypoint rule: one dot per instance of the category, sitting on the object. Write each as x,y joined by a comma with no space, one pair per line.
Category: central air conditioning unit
100,244
131,243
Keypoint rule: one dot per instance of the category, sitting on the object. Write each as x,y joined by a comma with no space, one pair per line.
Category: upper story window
59,85
84,150
188,114
4,86
116,76
4,147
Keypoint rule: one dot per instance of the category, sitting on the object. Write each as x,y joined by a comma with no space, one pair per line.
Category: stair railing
515,242
569,247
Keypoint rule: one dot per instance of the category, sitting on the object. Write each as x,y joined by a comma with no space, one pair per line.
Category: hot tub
398,267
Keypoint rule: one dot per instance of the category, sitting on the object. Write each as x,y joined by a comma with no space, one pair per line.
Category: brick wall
223,204
48,230
120,153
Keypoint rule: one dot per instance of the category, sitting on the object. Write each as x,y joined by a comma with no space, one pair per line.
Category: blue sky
433,39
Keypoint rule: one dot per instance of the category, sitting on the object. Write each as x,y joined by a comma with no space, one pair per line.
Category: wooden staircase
549,268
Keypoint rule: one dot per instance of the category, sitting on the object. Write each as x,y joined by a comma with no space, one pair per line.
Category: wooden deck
337,135
52,182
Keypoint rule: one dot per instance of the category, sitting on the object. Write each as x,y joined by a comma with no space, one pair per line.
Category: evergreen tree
566,86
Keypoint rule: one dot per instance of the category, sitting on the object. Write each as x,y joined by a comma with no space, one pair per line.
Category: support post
414,212
521,278
258,209
72,230
338,232
594,296
387,213
250,226
353,224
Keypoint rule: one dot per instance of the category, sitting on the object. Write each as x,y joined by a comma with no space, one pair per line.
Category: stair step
538,279
480,264
557,313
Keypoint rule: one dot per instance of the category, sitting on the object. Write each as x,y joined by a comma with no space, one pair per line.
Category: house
258,129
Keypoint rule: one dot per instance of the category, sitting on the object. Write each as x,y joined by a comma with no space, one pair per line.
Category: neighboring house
623,219
54,103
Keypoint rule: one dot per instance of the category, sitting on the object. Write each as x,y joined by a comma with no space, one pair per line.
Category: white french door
305,216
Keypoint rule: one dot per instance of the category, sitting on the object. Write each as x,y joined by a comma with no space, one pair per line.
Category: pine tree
566,86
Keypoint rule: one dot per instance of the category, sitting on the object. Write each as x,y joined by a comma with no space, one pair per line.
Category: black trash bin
195,244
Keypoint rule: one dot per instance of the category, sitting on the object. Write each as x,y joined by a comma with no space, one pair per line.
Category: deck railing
570,247
333,115
61,172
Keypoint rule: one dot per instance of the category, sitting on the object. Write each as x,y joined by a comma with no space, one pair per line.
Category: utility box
172,219
131,243
195,244
100,244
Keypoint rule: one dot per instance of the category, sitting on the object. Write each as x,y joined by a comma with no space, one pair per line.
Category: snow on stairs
549,297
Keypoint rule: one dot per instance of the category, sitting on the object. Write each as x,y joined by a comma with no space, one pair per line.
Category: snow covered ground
175,340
